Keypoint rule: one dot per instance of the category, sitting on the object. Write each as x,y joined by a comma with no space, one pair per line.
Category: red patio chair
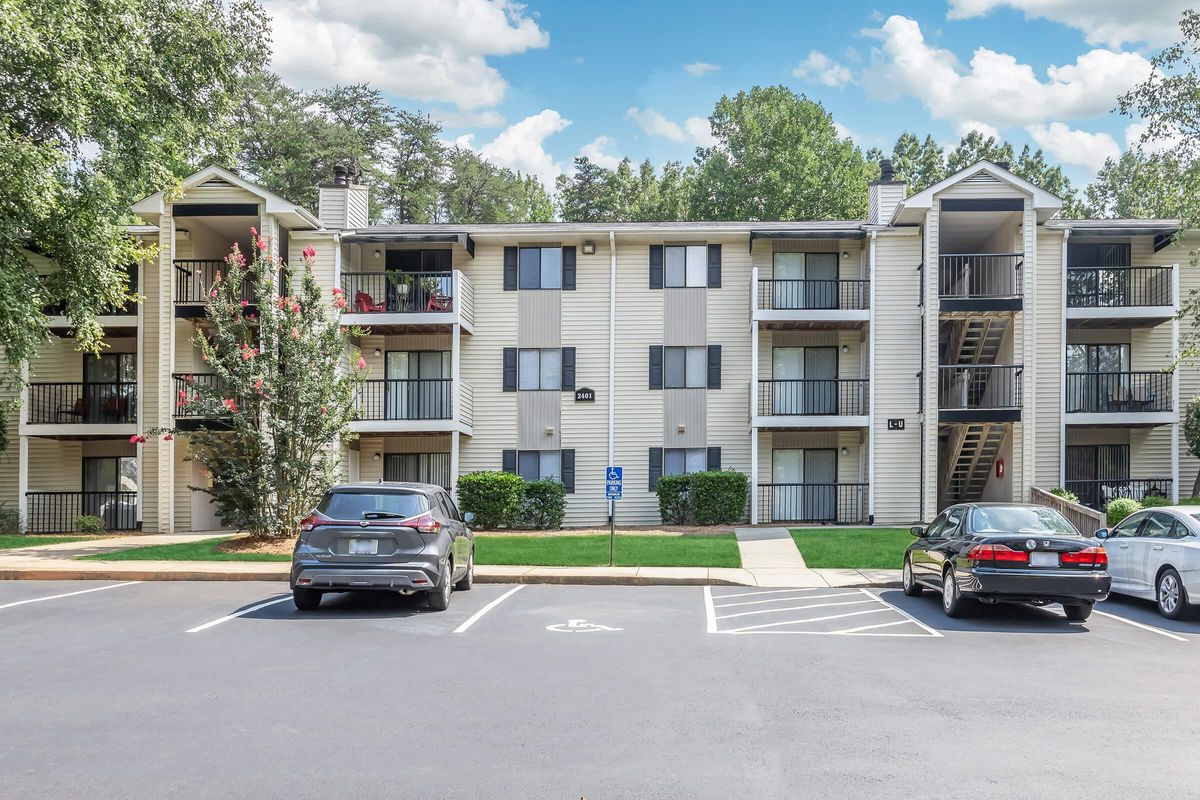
439,302
366,304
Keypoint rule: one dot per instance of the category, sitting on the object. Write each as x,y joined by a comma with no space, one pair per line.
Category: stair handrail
1086,520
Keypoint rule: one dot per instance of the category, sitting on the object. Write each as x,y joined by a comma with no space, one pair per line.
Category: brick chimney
342,203
884,194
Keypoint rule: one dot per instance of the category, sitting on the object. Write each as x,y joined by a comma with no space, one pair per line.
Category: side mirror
1101,534
917,530
469,517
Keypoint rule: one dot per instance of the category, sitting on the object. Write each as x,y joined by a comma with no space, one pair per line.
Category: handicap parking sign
612,483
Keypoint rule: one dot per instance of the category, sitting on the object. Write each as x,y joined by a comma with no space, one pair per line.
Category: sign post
612,491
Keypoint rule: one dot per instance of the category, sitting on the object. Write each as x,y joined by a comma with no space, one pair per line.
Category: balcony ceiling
970,231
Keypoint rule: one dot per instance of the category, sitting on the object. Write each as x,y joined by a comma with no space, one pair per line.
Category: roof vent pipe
886,171
340,175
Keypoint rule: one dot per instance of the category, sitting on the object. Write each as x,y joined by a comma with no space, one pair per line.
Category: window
533,465
1022,519
686,266
357,504
110,368
935,528
685,367
1158,526
1098,358
680,461
539,369
1128,527
417,468
540,267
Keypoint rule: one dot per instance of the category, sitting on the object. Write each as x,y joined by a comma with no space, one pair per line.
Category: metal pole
612,533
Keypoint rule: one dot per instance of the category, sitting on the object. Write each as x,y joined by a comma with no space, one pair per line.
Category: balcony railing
82,403
806,295
1118,287
404,399
398,292
812,502
1097,493
984,387
1112,392
194,278
838,397
187,382
964,276
55,512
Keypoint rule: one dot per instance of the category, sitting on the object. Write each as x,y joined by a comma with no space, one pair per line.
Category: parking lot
225,690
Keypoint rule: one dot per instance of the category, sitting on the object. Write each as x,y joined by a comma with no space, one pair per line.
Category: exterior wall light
376,456
378,253
845,349
589,248
378,352
845,451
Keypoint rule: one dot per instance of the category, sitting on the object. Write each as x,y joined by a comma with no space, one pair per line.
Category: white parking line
475,617
802,621
69,594
880,625
793,608
765,591
1143,626
784,599
904,613
709,613
237,614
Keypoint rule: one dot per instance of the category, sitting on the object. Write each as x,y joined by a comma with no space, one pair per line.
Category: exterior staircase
970,453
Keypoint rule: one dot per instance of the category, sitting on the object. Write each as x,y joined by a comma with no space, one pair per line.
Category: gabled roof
154,206
913,208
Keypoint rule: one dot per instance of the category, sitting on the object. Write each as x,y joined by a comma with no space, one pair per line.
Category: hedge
496,498
1121,508
89,523
717,497
1065,494
545,505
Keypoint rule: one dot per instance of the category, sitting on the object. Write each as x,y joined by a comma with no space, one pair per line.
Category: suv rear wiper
382,515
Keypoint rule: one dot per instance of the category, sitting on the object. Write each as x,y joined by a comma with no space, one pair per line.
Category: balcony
116,320
1119,398
980,282
1122,297
55,512
811,304
103,408
188,418
1097,493
812,502
398,302
979,393
812,403
415,406
194,278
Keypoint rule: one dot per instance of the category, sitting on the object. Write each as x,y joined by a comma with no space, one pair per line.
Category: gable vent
981,177
217,183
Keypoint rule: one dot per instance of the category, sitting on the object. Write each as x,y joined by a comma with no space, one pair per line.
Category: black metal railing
1097,493
786,295
194,279
1107,392
185,391
1118,287
971,386
82,403
980,275
812,502
55,512
398,292
404,399
788,398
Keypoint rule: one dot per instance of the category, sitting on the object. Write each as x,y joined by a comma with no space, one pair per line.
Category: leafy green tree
411,183
101,104
1191,433
921,163
476,190
976,147
777,156
284,389
1145,185
582,195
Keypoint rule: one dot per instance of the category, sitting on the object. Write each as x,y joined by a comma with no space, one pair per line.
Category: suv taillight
308,523
1088,556
997,552
425,523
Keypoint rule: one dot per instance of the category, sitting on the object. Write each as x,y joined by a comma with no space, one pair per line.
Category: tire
306,599
908,581
467,581
438,598
1078,612
1170,595
953,603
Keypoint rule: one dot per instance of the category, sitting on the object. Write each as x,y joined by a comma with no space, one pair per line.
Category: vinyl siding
1051,361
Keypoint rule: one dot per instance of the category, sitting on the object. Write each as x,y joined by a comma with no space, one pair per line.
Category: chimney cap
340,175
887,172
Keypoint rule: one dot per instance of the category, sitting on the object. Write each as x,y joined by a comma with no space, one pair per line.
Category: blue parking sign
612,483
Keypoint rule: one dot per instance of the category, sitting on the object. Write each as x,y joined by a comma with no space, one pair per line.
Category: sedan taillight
992,553
1088,556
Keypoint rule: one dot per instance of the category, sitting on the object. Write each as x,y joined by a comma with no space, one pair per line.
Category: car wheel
467,581
438,599
306,599
908,581
1078,612
1170,595
953,603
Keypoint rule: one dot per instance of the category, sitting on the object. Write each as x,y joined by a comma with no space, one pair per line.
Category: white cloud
520,146
1133,139
823,69
995,90
700,130
965,127
699,69
1109,22
656,124
1076,147
420,49
594,151
468,119
843,132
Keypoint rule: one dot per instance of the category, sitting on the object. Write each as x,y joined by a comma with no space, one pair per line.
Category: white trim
76,429
1175,387
1120,313
1121,419
1029,418
612,354
753,396
815,421
273,203
1062,372
410,426
812,315
22,477
872,244
924,198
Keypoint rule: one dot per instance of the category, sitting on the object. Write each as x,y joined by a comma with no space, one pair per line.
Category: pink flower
282,303
295,333
258,384
362,363
324,410
182,394
339,303
251,316
135,439
262,243
229,403
253,231
213,293
309,252
295,308
245,303
168,438
336,291
218,276
187,379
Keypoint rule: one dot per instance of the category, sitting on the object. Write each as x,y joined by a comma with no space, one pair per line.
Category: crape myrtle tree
282,396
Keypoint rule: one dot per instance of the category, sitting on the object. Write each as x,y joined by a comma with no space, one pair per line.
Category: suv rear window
353,505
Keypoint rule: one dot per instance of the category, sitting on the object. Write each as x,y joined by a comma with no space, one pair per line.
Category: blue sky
530,86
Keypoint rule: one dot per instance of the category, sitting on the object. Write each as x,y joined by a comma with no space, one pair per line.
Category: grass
204,550
853,548
592,551
8,542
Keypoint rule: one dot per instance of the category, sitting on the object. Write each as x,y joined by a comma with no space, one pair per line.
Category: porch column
1175,387
753,398
23,478
454,441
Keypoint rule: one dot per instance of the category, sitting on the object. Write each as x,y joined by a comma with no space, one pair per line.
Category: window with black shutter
568,268
508,461
656,266
656,466
714,366
656,366
714,459
714,266
568,369
510,369
568,470
510,269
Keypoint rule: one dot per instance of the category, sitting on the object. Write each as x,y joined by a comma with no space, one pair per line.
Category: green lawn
592,551
8,542
853,548
204,550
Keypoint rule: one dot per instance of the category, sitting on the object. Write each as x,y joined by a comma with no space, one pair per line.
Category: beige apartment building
961,343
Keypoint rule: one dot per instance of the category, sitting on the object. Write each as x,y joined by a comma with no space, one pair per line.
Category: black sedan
1006,552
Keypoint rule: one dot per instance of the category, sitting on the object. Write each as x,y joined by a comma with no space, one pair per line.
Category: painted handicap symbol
579,626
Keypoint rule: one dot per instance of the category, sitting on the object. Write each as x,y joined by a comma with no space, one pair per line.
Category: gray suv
402,537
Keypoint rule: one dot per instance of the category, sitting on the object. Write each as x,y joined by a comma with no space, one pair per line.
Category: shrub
494,497
10,520
88,523
1065,494
1121,508
1154,501
706,498
672,493
545,504
1189,501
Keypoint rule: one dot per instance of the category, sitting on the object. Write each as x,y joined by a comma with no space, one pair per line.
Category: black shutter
714,366
510,269
656,266
510,369
568,369
714,459
568,470
508,461
656,366
655,467
568,268
714,266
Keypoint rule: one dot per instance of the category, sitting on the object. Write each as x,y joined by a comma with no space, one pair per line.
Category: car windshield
1020,519
359,505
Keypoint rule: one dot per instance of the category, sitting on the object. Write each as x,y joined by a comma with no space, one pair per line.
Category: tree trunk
1196,485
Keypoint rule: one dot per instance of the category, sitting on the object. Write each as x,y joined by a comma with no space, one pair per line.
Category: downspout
871,387
612,352
1062,372
1175,387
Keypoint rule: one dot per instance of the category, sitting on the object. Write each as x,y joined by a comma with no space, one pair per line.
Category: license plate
364,547
1043,559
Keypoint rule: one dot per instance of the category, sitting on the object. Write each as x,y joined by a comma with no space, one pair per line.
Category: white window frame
549,466
548,375
549,268
694,459
695,367
692,272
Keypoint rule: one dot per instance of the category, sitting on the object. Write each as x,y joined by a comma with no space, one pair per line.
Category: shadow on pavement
999,618
347,605
1146,612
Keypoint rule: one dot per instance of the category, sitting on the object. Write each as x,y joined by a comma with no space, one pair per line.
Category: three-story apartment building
960,343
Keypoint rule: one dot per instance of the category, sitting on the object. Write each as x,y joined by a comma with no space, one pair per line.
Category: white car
1155,554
